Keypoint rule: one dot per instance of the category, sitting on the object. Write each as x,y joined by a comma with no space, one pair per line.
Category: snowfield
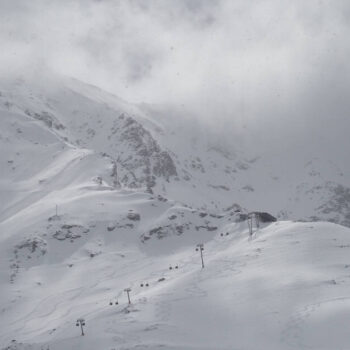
132,204
286,288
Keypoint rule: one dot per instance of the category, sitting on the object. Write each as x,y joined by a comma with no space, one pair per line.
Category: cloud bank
271,64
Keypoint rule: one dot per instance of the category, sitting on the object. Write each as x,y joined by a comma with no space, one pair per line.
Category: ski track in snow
57,180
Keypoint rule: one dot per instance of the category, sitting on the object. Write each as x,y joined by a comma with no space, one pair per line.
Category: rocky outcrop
337,206
142,160
47,118
265,217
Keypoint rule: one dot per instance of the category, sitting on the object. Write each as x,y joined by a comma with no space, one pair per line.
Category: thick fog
275,67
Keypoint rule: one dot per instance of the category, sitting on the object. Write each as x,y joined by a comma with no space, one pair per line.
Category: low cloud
267,65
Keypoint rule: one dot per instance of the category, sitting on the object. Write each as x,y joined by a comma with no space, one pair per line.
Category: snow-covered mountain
98,195
167,153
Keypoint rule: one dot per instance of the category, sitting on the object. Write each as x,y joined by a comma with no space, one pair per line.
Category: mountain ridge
99,196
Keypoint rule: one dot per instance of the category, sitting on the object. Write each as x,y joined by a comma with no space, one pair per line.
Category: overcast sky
267,61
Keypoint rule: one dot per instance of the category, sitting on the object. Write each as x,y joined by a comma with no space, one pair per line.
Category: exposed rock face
48,119
337,207
32,245
265,217
137,160
27,252
237,213
147,160
70,232
187,219
134,216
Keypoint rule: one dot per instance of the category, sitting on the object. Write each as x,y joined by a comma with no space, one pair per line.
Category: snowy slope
281,290
164,151
136,189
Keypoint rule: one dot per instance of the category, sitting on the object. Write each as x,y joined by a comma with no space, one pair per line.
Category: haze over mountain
132,131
